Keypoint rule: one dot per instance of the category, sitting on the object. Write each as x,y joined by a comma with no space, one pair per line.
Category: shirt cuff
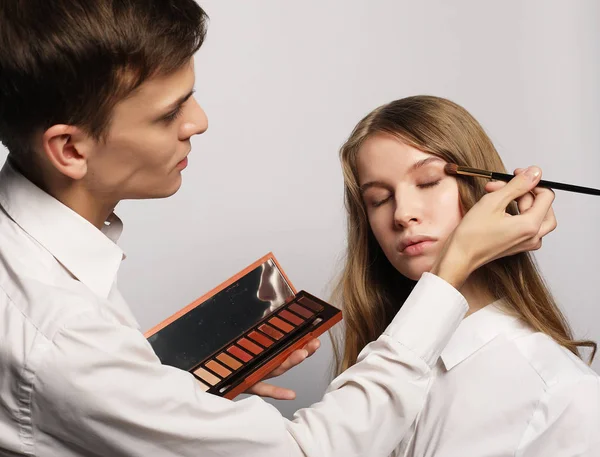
428,318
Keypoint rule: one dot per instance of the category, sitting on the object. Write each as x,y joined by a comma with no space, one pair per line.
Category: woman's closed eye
429,184
377,202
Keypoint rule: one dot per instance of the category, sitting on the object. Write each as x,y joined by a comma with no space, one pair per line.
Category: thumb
520,185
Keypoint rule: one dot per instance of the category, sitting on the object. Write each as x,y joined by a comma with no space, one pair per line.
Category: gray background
283,84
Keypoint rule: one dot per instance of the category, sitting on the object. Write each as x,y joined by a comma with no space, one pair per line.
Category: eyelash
429,184
172,116
421,186
380,202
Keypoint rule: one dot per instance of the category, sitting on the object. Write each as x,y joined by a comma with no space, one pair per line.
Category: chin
414,272
156,193
168,191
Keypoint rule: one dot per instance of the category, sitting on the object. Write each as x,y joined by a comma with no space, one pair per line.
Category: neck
476,293
72,194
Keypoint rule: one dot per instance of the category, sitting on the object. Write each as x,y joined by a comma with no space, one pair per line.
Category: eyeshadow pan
291,317
267,329
229,361
249,345
240,354
206,376
280,324
218,368
301,310
310,304
266,342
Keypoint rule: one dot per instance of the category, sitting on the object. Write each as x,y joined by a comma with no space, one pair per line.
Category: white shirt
77,377
502,389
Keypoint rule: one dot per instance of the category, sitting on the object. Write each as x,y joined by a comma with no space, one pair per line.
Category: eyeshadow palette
239,332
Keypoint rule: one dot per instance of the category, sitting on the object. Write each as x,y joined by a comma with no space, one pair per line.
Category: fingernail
304,353
532,173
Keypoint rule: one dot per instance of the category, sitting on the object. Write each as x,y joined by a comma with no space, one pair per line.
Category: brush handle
551,184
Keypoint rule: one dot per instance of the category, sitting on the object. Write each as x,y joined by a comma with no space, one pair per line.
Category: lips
412,240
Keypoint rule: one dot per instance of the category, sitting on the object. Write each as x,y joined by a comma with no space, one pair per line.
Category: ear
68,148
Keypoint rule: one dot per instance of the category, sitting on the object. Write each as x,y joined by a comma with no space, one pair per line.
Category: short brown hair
71,61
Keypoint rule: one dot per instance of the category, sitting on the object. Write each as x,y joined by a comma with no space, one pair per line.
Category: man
96,106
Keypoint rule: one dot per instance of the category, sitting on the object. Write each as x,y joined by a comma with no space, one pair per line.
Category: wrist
452,266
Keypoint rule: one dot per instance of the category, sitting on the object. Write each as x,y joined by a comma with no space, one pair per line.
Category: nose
197,123
407,212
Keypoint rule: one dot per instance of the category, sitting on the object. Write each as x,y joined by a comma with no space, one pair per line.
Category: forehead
382,153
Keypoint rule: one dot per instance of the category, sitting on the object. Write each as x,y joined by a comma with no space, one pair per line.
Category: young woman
511,380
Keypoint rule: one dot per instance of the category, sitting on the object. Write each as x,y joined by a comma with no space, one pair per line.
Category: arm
100,389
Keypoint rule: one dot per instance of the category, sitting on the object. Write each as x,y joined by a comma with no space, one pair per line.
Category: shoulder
44,306
34,287
553,363
567,413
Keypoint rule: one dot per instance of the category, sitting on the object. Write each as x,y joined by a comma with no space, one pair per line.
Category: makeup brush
453,169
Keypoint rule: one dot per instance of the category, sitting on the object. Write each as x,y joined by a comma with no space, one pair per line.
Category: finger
518,186
525,202
294,359
541,205
548,224
266,390
534,242
493,186
312,346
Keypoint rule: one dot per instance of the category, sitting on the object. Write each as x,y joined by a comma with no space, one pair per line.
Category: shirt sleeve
566,421
100,390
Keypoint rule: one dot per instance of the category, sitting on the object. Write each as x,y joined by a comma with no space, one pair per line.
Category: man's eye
172,116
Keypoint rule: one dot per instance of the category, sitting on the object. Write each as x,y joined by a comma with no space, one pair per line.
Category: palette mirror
234,310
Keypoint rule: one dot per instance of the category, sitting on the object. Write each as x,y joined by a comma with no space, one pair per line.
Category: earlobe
65,148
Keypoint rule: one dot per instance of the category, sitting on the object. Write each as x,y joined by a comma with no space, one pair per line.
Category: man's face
148,141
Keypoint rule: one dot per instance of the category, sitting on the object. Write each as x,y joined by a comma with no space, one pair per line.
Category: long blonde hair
370,289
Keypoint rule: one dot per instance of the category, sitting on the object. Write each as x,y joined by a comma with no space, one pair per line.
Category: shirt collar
89,254
476,330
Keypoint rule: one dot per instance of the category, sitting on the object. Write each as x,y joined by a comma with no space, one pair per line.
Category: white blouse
500,389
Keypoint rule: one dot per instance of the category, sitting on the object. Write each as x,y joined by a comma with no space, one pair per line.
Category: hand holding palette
239,332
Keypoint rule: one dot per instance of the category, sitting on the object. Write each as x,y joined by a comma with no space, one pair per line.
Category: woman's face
412,205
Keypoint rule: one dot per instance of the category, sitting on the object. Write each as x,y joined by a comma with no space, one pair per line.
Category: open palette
239,332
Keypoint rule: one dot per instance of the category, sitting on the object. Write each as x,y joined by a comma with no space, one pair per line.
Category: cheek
145,148
448,211
382,226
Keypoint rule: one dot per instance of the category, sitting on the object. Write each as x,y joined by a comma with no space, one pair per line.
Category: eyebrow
415,166
177,103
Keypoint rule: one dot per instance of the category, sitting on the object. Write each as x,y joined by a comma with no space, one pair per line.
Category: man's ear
67,148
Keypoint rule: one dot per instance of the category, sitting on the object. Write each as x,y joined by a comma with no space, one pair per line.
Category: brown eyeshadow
310,304
260,339
206,376
218,368
301,310
249,345
229,361
291,317
281,325
242,355
267,329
